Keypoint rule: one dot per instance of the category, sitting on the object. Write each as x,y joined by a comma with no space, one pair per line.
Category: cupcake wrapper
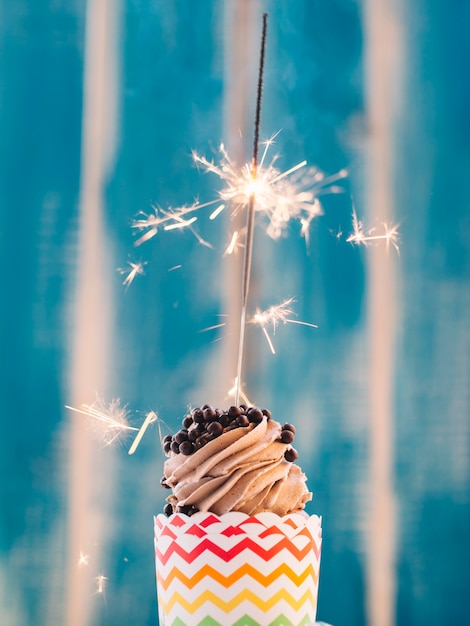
237,570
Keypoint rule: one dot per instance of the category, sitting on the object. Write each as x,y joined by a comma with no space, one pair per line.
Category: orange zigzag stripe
244,570
227,555
245,596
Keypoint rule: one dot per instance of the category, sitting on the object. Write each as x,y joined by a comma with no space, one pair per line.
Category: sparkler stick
250,220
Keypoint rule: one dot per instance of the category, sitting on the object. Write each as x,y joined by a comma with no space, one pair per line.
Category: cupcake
234,545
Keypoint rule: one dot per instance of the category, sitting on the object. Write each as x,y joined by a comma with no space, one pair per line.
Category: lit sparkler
361,236
257,187
110,422
280,196
136,269
279,313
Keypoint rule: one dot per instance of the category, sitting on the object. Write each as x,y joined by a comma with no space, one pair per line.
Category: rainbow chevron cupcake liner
237,570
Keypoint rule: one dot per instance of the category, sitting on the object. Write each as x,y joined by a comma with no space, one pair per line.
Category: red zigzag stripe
245,544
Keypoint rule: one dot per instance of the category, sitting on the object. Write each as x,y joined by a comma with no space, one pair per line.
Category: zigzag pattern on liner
268,538
227,555
245,570
244,596
263,532
246,621
232,523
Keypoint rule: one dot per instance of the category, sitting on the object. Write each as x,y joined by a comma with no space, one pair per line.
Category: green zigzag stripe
245,621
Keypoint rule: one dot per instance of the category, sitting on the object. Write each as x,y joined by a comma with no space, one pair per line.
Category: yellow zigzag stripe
245,595
244,570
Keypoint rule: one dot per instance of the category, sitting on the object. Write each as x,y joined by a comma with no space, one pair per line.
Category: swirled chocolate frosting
239,459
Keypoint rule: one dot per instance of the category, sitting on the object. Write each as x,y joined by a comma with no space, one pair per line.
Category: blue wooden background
170,100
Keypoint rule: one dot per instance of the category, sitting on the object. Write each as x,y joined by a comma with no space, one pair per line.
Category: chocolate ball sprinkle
167,447
181,435
186,448
202,440
215,428
186,509
291,455
198,416
168,509
224,420
287,436
243,421
234,411
193,434
209,415
290,427
188,421
255,415
175,447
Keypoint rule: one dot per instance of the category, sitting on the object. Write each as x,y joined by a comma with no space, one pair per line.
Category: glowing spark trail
280,196
235,391
179,223
214,327
100,583
234,243
217,211
275,314
109,421
83,559
359,236
168,219
136,268
151,417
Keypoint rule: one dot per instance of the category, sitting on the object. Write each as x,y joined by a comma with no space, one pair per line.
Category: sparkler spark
361,236
214,327
151,417
275,314
280,196
109,422
168,219
235,242
237,390
136,268
83,559
101,582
